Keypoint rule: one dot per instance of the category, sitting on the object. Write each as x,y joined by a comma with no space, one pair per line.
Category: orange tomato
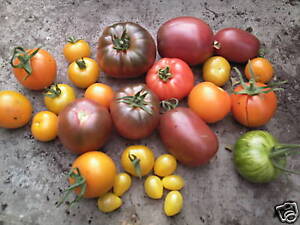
262,69
44,126
76,49
15,109
100,93
209,101
38,72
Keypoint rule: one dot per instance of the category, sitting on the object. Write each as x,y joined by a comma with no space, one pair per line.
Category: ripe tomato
35,69
262,70
15,109
173,182
170,78
109,202
122,184
76,49
100,93
216,69
165,165
173,203
58,96
83,72
209,101
44,126
138,160
154,187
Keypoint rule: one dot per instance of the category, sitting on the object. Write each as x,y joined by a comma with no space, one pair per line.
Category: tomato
35,69
236,45
58,96
173,203
137,160
122,184
76,49
109,202
100,93
84,125
83,72
126,50
15,109
165,165
153,187
186,38
216,69
173,182
262,70
135,111
170,78
187,136
209,101
44,126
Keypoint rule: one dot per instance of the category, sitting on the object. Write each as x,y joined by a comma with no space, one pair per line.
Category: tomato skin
85,77
178,86
84,125
191,141
253,111
209,101
153,187
44,126
15,109
173,203
43,74
122,184
100,93
186,38
76,50
99,171
262,68
173,182
109,202
165,165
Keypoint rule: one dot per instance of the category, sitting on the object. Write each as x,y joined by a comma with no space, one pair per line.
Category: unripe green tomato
173,203
165,165
173,182
153,187
122,184
109,202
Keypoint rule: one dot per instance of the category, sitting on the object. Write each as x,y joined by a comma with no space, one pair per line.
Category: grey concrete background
32,174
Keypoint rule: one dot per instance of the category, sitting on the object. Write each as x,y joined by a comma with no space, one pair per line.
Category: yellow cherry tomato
83,72
153,187
76,49
165,165
100,93
122,184
58,96
173,182
216,69
44,126
173,203
137,160
109,202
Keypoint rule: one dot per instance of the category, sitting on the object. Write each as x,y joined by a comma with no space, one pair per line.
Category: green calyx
121,43
137,101
165,74
81,63
167,105
53,91
135,161
72,40
24,60
79,182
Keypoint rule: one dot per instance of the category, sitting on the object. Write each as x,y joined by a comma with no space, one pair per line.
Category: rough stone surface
32,174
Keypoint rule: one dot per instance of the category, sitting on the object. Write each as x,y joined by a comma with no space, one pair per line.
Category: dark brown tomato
187,137
135,111
126,50
84,126
186,38
236,45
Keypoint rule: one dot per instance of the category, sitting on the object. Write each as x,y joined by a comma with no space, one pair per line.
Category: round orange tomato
76,49
36,71
83,72
262,70
209,101
15,109
44,126
100,93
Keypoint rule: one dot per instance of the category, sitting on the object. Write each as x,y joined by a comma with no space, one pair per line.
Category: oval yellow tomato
109,202
122,184
76,49
153,187
165,165
173,182
173,203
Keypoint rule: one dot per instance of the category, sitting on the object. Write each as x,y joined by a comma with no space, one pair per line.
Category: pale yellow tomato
122,184
173,203
173,182
165,165
153,187
109,202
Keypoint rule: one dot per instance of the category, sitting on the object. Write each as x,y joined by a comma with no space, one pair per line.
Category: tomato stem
81,64
165,74
169,104
121,43
217,45
72,40
136,164
52,92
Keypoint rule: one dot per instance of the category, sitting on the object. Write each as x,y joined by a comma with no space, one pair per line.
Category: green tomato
173,182
109,202
153,187
173,203
122,184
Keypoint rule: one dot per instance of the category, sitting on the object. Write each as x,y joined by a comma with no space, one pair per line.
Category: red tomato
170,78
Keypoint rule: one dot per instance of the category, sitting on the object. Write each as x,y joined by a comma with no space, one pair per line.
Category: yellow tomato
44,126
153,187
58,97
173,182
100,93
138,160
173,203
83,72
165,165
262,70
122,184
216,69
76,49
109,202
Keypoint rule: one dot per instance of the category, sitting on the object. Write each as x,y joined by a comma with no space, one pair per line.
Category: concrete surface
32,174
